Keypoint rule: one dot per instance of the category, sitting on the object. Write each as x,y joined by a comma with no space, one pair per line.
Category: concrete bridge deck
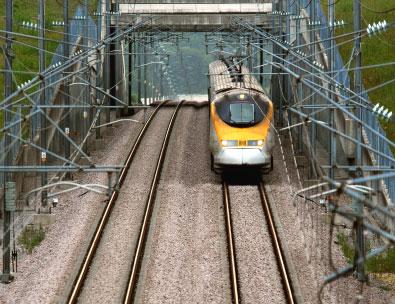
195,8
200,17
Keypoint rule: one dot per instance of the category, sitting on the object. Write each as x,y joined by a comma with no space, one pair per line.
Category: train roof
222,80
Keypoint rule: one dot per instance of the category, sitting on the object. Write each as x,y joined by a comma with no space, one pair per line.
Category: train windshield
242,112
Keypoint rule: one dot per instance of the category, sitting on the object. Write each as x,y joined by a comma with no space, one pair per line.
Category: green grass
375,50
384,263
31,237
26,58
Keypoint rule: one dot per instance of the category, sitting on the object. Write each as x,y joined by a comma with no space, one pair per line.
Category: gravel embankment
107,277
260,280
43,275
306,234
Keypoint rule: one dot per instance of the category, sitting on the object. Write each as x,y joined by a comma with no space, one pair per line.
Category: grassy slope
378,49
26,58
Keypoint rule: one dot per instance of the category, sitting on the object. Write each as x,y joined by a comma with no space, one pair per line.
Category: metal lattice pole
98,67
358,205
161,89
43,120
145,68
107,61
117,61
313,127
66,88
332,142
130,70
299,85
86,89
261,42
138,51
6,277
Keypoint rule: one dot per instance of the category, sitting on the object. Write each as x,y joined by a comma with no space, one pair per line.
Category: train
241,119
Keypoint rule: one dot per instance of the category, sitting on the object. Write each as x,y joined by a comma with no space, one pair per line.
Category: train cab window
242,112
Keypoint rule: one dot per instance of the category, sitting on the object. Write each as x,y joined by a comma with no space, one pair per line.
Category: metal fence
342,77
76,30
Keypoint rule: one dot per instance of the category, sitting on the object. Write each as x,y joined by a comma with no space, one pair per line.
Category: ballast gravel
259,277
186,255
186,258
107,276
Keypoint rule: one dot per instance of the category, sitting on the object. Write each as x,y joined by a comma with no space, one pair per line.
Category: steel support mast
43,119
66,89
332,146
6,274
358,205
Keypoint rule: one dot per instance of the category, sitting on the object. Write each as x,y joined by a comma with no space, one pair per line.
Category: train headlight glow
255,143
229,143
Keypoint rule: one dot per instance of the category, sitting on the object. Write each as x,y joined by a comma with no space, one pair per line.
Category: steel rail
140,247
277,246
83,271
231,244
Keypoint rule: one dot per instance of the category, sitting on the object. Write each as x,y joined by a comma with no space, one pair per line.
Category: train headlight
229,143
255,143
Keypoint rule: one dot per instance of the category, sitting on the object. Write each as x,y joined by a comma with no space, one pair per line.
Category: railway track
79,281
282,268
138,255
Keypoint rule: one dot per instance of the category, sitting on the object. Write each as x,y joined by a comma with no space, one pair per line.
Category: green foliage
190,69
385,288
25,49
384,263
135,99
31,237
346,248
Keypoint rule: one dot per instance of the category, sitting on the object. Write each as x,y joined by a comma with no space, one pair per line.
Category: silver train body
241,114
